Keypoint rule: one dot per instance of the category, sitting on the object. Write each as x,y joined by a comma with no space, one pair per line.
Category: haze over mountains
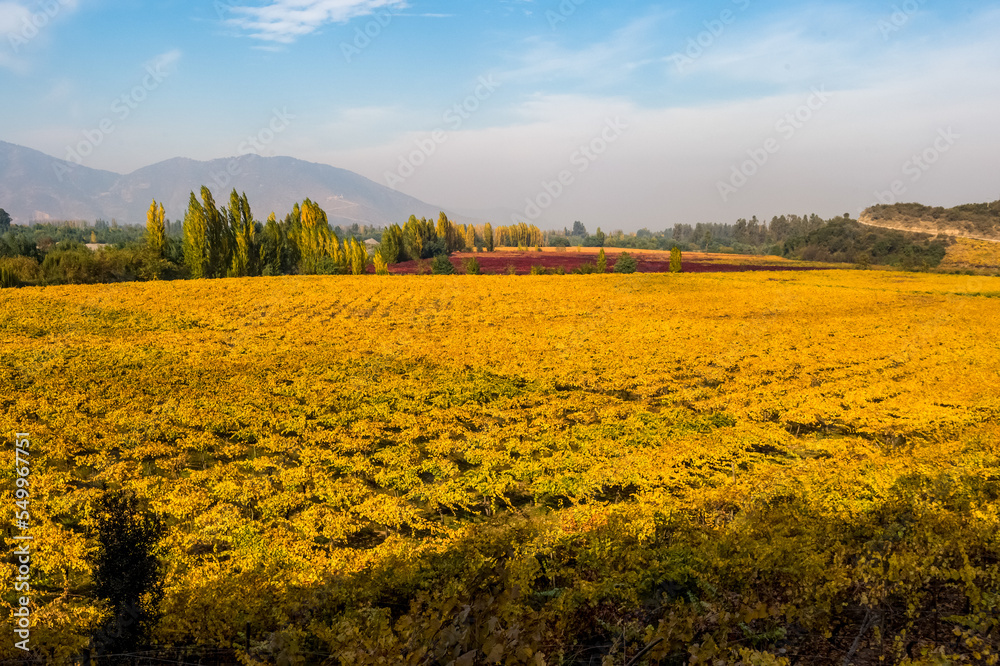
36,186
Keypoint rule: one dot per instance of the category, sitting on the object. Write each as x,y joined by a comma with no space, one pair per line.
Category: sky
621,114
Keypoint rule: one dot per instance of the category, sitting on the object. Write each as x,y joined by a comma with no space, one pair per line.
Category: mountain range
36,186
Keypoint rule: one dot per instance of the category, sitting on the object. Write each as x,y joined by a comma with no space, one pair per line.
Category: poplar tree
242,225
196,239
314,237
470,237
271,247
488,237
602,262
156,233
381,266
391,247
219,241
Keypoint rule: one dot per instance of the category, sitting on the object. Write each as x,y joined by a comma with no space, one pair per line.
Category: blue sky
623,115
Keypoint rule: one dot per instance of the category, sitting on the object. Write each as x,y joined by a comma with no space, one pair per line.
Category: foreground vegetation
759,468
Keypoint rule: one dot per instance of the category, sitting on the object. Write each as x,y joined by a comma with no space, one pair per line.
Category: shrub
675,259
602,262
626,263
20,271
7,278
540,270
472,266
442,265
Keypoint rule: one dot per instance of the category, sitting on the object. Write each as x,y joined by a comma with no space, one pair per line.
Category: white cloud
284,21
21,24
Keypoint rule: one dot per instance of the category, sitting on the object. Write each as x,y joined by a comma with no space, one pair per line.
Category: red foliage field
520,263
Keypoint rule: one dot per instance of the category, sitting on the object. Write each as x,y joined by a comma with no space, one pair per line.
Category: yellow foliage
475,463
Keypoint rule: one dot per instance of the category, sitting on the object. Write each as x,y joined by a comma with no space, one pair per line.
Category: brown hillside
979,221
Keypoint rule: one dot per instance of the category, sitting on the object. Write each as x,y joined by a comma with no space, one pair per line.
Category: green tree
602,262
391,247
219,236
442,265
128,576
4,221
244,234
472,266
272,247
675,259
488,237
156,232
599,237
579,229
196,239
625,263
314,238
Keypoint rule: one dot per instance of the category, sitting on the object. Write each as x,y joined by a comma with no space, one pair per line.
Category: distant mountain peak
36,186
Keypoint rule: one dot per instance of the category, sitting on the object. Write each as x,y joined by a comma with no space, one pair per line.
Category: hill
979,221
846,240
36,186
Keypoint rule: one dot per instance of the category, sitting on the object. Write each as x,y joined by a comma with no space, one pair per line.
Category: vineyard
511,261
699,468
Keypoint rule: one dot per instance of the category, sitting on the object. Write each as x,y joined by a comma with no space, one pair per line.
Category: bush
20,271
442,265
7,278
540,270
585,269
675,259
626,263
602,262
472,266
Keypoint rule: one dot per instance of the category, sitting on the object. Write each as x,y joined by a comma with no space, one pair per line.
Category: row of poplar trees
226,241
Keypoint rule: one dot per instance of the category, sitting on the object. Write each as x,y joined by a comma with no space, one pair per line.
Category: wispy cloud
21,23
284,21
